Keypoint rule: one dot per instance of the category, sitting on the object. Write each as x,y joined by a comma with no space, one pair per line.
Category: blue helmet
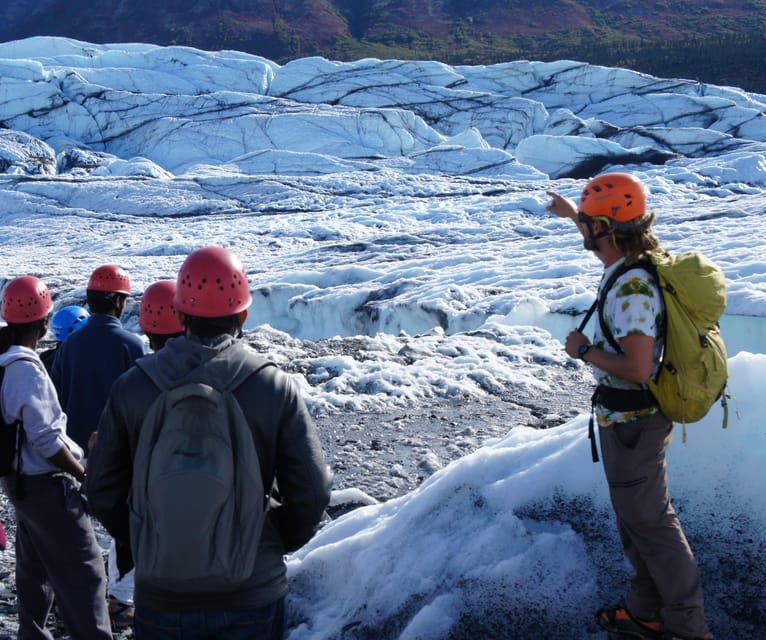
67,320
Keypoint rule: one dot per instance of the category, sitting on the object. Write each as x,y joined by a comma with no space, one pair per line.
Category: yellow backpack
694,368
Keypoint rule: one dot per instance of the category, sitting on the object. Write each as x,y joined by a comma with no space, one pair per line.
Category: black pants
57,554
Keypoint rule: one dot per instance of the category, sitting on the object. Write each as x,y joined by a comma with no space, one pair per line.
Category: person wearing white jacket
56,548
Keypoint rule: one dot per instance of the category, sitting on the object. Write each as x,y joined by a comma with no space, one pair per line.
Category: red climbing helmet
26,299
620,197
109,278
157,313
212,283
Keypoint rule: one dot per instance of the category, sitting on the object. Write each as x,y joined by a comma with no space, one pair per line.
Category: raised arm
562,206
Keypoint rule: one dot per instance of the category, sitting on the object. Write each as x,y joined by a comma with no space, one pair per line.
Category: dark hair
636,242
103,301
7,337
157,340
211,327
14,333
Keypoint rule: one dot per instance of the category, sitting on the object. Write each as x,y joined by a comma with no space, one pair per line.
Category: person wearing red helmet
84,368
665,598
56,548
157,314
159,321
91,359
212,298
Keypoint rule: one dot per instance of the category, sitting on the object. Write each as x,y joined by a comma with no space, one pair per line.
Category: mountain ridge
716,41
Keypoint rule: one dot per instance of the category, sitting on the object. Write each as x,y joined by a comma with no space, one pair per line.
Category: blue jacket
86,365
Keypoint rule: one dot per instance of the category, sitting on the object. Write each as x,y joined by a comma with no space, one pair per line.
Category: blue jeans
266,623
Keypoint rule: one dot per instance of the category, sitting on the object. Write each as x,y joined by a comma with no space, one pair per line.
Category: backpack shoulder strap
645,265
228,370
598,305
243,362
600,302
22,356
148,365
17,425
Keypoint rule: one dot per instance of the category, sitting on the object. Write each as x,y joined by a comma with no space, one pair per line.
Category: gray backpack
198,505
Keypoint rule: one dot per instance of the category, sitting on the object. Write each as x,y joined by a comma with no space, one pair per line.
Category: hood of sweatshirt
191,359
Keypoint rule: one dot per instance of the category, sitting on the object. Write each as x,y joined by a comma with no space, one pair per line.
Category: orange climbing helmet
212,283
157,313
109,278
26,299
618,197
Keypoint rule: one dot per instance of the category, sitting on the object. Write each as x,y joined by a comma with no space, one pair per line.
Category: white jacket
28,394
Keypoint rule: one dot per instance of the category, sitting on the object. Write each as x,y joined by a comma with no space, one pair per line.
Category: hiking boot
120,614
59,628
621,623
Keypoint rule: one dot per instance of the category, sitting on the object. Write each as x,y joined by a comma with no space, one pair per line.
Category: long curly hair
637,240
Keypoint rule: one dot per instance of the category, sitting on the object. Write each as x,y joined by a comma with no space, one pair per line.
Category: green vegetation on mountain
714,41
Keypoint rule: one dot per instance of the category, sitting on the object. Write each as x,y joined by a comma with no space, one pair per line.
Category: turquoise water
744,333
741,333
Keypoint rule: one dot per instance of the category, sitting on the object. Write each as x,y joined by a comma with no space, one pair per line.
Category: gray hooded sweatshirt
285,439
27,394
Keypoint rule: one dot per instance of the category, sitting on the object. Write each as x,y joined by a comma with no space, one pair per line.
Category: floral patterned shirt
633,306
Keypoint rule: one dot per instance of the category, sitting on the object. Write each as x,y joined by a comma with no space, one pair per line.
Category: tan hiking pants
667,583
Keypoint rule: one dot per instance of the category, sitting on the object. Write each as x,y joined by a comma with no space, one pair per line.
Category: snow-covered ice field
404,269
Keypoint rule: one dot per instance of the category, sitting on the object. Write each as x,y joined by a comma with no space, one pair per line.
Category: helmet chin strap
590,241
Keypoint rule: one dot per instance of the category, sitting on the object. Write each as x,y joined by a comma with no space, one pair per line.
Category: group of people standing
95,401
83,416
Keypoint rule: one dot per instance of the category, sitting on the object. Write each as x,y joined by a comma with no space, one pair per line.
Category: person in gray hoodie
56,548
212,298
